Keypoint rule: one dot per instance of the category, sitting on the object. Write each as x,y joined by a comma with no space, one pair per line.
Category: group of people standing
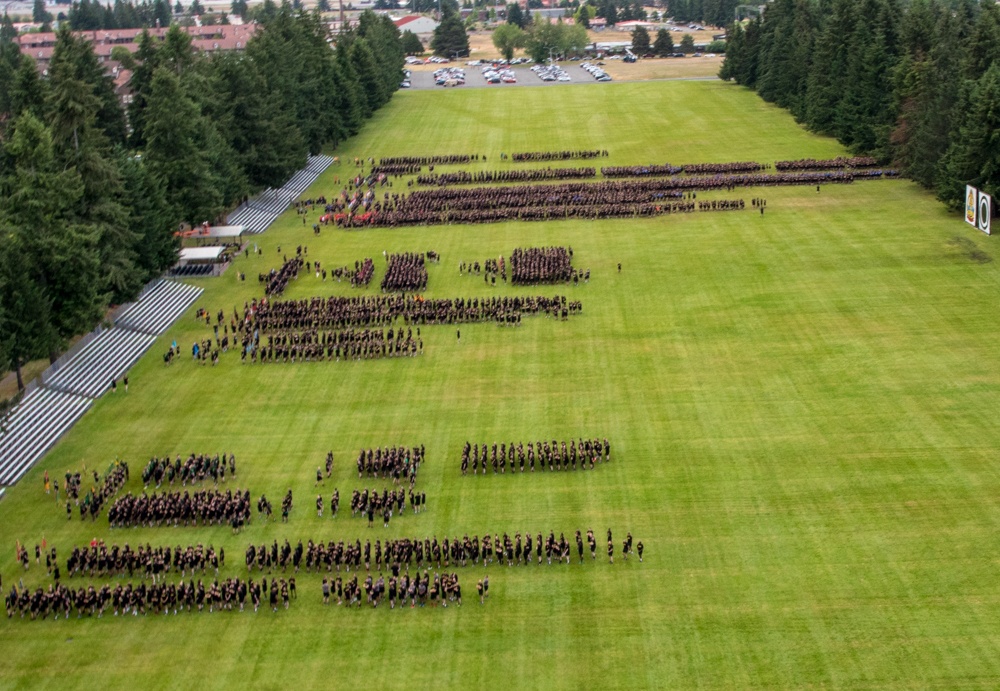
554,456
143,599
206,507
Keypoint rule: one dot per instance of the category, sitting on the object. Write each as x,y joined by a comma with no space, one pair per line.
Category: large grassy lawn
801,408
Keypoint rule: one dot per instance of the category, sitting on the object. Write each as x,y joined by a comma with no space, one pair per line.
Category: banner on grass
985,212
971,204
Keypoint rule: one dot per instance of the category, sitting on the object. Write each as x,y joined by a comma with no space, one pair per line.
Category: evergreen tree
175,135
40,202
411,44
27,331
363,61
7,30
974,155
39,14
515,16
640,40
663,46
825,83
984,44
450,38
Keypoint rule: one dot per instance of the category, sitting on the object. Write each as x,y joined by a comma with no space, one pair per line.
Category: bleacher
192,271
159,307
34,426
107,357
254,221
261,211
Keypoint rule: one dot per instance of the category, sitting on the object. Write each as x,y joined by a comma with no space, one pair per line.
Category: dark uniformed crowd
553,456
405,272
144,561
194,470
158,598
206,507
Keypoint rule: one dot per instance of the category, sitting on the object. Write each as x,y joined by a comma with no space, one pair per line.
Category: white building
416,23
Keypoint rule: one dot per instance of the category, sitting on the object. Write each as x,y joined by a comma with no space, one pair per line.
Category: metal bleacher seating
34,426
159,307
261,211
90,372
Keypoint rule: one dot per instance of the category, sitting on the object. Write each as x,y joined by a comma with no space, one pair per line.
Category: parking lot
422,76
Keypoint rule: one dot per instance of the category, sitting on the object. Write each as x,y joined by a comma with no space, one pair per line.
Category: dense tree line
90,195
916,85
91,15
709,12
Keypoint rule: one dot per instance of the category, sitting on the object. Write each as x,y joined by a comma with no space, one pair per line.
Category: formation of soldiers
721,168
348,344
397,556
640,171
266,317
387,503
827,164
363,272
93,501
419,590
145,561
206,507
553,456
142,599
535,265
196,469
405,272
463,177
557,155
429,160
396,462
277,280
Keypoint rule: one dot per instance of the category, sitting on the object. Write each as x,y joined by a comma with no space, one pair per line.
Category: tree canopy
914,85
88,206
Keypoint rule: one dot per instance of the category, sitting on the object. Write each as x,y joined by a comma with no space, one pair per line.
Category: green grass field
800,406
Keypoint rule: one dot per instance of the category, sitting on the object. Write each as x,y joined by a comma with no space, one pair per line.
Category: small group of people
195,469
142,599
464,177
419,590
556,155
827,163
536,265
398,555
103,489
146,561
371,503
276,280
348,344
396,462
405,272
206,507
582,453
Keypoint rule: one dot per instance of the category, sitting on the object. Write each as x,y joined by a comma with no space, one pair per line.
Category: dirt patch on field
967,249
